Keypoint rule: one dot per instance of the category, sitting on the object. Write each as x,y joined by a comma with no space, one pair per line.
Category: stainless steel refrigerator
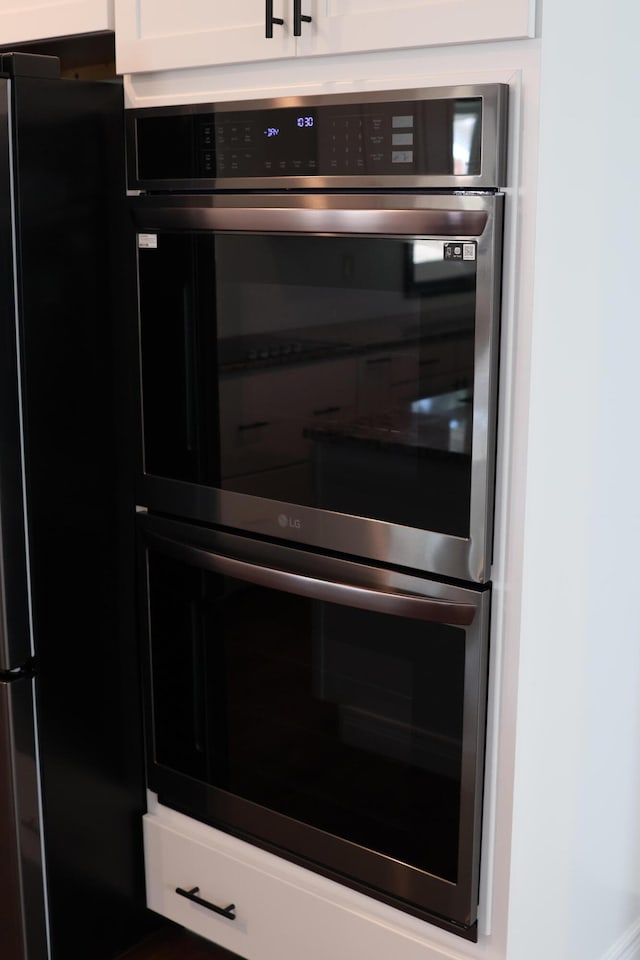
71,789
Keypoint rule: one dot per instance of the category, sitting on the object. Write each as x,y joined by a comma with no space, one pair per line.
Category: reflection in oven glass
331,372
343,719
329,726
345,370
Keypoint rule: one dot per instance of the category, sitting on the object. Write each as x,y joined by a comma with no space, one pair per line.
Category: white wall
575,882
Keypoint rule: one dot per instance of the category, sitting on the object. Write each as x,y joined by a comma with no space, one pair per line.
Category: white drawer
283,912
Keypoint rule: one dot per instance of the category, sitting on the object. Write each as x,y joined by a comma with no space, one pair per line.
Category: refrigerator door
73,288
23,931
15,644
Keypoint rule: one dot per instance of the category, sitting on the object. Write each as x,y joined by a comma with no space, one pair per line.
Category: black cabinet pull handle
326,411
270,19
253,426
227,912
298,18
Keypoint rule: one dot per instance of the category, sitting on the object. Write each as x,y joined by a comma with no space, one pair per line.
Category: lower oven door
328,711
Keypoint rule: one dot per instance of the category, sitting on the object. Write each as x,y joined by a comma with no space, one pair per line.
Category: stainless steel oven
319,293
319,311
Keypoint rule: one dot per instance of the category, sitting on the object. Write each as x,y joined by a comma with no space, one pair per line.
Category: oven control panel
432,134
388,138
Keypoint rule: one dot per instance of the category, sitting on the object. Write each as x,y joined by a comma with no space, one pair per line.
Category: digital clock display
278,125
270,143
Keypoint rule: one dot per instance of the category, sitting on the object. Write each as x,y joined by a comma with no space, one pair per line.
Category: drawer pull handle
326,411
256,425
379,360
227,912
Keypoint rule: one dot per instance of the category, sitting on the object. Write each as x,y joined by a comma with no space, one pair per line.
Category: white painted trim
381,70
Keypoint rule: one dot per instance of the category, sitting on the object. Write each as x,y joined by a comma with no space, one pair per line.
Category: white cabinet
194,33
28,20
346,26
153,36
281,910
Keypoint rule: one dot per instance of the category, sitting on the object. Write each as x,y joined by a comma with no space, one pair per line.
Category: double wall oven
319,292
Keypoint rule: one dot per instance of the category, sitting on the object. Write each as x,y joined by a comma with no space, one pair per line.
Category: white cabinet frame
25,20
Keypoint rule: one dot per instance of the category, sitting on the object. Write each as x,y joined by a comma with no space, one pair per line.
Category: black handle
326,411
298,17
227,912
253,426
379,360
270,19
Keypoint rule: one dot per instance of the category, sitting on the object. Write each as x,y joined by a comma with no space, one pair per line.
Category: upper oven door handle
202,213
433,609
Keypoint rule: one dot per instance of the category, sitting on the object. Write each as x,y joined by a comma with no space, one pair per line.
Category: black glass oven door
314,367
331,712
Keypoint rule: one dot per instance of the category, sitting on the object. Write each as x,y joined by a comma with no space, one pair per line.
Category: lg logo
286,521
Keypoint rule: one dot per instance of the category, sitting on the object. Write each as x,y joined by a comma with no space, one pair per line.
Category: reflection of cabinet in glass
267,417
391,379
264,416
193,33
379,374
39,19
445,365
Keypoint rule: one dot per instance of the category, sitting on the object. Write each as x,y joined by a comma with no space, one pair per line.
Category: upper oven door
322,368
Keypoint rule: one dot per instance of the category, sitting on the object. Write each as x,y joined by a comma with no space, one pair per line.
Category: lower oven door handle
397,604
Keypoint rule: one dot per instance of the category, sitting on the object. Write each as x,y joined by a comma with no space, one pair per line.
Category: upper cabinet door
345,26
166,35
39,19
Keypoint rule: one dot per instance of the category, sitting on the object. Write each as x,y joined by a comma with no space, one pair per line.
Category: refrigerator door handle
395,603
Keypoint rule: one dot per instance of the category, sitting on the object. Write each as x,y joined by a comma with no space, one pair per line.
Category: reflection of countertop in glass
442,424
264,351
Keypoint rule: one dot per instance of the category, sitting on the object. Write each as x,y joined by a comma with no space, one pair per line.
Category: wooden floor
177,944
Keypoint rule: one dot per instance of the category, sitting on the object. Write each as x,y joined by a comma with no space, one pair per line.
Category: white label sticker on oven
459,251
148,241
